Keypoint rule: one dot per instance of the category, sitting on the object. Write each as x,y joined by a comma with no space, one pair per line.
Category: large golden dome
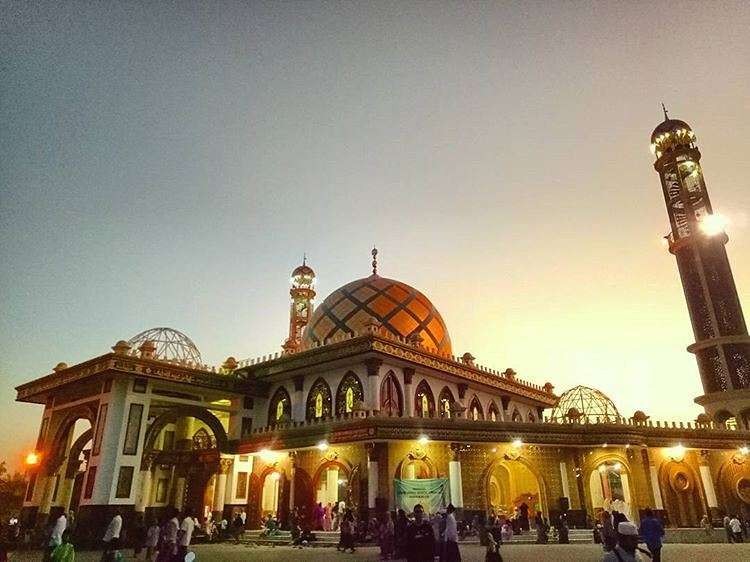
400,309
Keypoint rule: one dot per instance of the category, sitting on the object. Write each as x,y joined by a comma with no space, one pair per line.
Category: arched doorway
331,483
609,487
511,487
269,496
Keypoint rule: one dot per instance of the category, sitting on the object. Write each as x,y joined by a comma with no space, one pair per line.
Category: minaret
301,308
697,239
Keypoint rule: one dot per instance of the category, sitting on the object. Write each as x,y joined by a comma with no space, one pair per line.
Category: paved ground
511,553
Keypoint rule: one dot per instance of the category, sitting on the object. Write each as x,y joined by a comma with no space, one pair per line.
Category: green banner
432,493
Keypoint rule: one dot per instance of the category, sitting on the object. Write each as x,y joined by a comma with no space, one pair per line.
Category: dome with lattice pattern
584,403
396,307
171,345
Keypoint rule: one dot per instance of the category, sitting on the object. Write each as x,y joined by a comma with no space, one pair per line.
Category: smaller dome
303,271
671,134
170,345
639,416
588,404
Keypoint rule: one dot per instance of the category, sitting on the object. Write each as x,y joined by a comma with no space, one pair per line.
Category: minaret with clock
301,308
697,240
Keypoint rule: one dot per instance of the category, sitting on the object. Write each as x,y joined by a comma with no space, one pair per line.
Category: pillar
292,472
454,477
178,501
564,480
408,395
373,383
648,463
45,505
708,485
298,402
220,488
372,476
144,494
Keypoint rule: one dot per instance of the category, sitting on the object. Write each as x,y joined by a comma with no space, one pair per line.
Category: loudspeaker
564,503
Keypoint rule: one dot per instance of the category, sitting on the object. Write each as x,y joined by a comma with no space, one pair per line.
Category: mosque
368,403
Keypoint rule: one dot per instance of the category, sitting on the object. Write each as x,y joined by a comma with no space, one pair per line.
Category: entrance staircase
331,538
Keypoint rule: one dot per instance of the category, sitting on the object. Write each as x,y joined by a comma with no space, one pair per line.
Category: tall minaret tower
301,308
697,239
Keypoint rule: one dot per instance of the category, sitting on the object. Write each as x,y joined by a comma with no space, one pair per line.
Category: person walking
138,535
609,536
736,529
651,532
168,548
386,537
56,535
626,549
706,525
152,540
238,526
727,528
111,537
64,552
452,552
185,535
346,540
400,528
318,514
494,540
420,538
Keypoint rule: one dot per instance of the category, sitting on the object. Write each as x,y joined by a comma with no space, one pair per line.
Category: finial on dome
664,109
374,260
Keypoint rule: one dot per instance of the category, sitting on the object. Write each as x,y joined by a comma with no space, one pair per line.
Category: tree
12,490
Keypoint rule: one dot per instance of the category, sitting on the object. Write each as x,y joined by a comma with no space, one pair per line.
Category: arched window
492,412
475,409
445,402
516,417
424,401
390,396
532,418
348,393
319,400
280,407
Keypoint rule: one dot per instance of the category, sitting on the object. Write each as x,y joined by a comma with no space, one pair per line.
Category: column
298,402
372,476
708,484
292,472
45,505
564,480
648,463
408,395
179,488
454,476
220,488
373,383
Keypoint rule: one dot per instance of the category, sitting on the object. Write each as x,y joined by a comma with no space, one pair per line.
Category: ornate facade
365,398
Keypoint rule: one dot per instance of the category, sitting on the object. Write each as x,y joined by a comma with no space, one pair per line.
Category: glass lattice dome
583,403
171,345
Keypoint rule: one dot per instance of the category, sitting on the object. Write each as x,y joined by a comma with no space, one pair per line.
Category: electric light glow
323,446
517,443
713,224
32,458
423,439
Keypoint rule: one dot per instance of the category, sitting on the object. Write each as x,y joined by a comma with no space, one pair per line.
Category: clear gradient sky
167,164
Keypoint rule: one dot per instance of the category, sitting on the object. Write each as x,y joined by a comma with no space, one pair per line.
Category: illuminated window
444,402
476,409
349,399
279,410
280,406
348,393
424,400
319,400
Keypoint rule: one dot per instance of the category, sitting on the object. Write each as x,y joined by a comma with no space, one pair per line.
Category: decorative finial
374,260
304,258
664,109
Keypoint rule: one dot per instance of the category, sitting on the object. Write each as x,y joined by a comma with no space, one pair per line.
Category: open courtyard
469,553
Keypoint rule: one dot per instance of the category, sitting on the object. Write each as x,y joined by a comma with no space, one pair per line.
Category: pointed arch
475,409
319,401
348,393
424,401
516,417
391,399
280,407
493,413
445,403
532,417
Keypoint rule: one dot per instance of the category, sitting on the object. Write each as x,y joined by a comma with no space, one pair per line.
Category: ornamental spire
664,109
374,260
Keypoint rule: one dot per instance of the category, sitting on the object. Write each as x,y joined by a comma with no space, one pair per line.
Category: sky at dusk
167,164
